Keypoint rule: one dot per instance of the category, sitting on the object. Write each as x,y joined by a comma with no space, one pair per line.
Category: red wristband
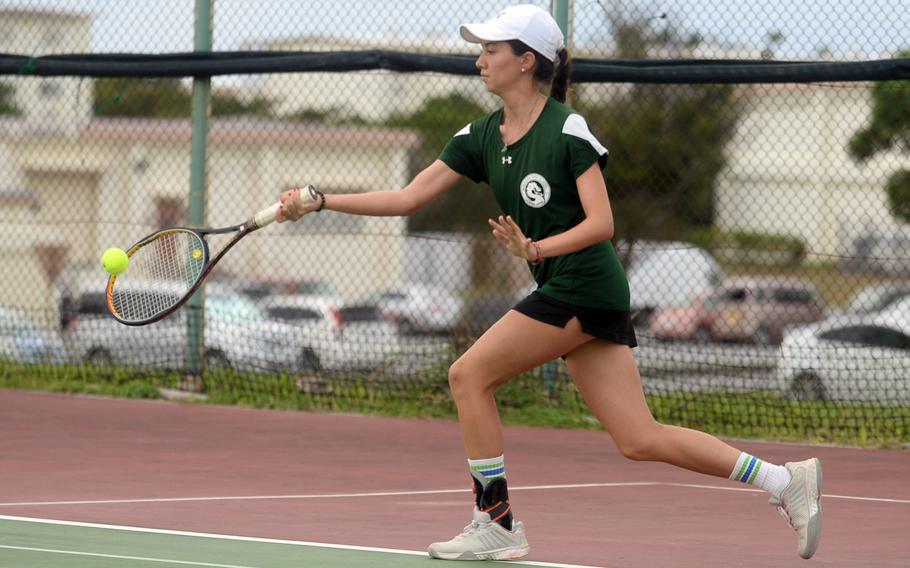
539,256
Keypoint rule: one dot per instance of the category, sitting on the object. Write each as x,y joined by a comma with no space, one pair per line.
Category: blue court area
40,543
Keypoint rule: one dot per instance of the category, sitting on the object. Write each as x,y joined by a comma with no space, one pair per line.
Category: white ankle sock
753,471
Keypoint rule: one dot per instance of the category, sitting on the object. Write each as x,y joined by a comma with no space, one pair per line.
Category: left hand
510,236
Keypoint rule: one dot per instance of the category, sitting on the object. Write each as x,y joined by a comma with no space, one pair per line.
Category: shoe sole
510,553
814,527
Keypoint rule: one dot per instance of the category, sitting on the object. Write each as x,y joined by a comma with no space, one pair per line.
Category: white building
789,172
374,95
118,179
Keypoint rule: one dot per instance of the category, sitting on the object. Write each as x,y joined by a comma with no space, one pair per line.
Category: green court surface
34,543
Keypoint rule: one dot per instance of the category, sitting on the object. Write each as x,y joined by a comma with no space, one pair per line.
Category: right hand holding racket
297,202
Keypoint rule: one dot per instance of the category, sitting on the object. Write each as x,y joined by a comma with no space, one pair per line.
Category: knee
458,379
642,445
463,381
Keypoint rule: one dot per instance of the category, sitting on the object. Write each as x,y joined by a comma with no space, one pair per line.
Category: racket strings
160,274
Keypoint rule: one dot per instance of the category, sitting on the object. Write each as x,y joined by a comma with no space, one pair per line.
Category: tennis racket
168,266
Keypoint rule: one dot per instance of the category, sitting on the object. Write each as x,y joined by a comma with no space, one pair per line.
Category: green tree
159,98
167,98
888,129
666,143
7,105
466,207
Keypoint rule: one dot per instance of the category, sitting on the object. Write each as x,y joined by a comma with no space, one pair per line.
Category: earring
522,69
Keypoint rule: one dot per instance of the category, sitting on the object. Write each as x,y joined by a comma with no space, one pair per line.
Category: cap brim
478,33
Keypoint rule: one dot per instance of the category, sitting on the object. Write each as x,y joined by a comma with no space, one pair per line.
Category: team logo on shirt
535,190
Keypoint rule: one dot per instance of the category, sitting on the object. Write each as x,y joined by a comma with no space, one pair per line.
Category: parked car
851,358
683,323
237,335
666,274
258,289
420,309
742,309
24,341
877,297
353,336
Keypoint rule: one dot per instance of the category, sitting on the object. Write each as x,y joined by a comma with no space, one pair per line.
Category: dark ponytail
560,86
556,73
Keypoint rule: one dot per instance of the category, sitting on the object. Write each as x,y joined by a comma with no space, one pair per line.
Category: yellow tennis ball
114,260
197,254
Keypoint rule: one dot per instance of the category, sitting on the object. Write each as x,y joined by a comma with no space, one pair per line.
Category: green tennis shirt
533,180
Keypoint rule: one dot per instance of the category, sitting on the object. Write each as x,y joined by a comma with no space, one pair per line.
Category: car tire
702,335
99,357
407,327
216,360
808,387
762,337
309,361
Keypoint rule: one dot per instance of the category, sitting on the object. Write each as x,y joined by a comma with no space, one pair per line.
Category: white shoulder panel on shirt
575,125
463,131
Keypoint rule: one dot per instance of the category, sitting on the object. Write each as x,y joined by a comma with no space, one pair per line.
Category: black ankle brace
494,500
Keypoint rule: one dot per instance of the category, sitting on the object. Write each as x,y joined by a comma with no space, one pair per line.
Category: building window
170,212
49,89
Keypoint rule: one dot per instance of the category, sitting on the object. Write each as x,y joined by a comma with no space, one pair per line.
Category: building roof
232,131
44,13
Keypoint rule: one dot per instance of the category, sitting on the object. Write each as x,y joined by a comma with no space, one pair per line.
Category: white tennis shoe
800,503
483,539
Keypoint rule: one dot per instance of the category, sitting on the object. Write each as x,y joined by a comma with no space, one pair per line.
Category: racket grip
266,216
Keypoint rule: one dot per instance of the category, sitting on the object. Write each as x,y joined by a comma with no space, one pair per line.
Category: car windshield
232,308
361,314
874,298
292,313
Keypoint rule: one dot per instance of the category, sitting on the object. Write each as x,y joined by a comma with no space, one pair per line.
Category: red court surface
297,476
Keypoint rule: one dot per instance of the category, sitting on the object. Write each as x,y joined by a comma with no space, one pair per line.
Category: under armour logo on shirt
506,160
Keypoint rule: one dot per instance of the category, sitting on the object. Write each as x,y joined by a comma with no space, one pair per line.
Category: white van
666,274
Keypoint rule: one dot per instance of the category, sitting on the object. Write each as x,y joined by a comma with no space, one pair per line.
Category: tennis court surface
101,482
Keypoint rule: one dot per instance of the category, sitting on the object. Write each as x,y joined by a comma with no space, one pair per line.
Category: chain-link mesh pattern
763,226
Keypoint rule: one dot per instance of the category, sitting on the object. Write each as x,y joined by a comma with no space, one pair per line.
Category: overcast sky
854,28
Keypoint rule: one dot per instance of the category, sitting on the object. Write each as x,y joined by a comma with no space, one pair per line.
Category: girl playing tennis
544,167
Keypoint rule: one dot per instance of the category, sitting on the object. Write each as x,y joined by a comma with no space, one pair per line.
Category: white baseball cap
529,24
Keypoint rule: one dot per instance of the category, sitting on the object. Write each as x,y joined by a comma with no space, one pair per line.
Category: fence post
562,13
202,96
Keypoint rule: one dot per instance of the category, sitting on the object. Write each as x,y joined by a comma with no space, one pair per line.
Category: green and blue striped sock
753,471
486,470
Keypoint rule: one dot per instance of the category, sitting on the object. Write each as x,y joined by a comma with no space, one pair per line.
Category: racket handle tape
308,194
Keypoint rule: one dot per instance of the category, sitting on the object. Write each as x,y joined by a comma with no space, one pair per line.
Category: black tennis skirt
611,325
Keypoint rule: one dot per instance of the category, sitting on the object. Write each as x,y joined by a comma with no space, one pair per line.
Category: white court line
263,540
824,495
317,495
118,556
429,492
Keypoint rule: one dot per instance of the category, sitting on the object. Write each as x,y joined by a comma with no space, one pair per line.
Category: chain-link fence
763,226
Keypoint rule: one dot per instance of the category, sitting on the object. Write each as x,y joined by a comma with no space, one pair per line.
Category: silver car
237,335
420,309
848,358
24,341
345,336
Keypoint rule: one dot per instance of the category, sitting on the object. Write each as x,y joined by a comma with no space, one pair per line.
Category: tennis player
545,170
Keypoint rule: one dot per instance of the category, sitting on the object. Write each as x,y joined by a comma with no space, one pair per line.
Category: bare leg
607,377
511,346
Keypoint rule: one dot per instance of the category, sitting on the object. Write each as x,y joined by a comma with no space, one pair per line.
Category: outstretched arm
429,184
